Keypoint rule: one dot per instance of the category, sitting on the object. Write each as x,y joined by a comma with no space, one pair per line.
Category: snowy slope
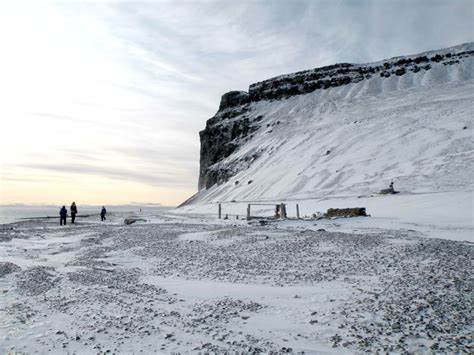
350,140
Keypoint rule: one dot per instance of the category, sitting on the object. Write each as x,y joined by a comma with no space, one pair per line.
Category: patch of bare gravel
8,268
37,280
419,298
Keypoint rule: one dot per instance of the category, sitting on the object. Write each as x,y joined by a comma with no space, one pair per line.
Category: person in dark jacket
103,213
62,215
73,212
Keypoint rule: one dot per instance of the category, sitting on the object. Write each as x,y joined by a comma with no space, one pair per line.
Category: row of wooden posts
280,210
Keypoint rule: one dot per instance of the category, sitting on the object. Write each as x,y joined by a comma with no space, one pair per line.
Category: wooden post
297,211
220,211
248,212
282,210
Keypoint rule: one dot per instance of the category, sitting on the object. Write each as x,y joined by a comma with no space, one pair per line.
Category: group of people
73,209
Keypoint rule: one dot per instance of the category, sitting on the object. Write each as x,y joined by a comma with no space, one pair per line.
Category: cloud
161,178
168,156
108,85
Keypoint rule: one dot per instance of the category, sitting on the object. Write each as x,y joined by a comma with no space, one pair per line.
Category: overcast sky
102,102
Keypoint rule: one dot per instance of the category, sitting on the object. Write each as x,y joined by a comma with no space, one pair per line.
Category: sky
102,101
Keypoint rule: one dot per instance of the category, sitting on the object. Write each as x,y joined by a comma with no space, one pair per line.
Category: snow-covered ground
189,282
446,215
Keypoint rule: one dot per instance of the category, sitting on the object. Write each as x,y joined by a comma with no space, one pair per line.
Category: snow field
445,215
182,283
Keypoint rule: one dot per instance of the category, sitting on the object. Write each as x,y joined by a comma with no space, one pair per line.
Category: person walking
73,212
103,213
62,215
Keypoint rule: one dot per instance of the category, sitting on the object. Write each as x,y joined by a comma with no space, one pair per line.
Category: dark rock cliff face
342,74
233,124
234,99
222,136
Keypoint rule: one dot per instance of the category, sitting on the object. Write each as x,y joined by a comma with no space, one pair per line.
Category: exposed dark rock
400,71
222,136
421,59
8,268
437,58
233,98
346,212
133,220
336,75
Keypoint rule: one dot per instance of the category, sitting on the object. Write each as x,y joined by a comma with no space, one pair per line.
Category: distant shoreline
17,213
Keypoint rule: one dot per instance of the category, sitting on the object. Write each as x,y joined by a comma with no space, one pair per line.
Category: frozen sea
15,213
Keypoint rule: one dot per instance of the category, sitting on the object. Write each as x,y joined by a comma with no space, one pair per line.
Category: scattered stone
8,268
128,221
36,280
412,300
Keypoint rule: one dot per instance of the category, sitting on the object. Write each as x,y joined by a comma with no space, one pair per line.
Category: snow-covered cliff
345,129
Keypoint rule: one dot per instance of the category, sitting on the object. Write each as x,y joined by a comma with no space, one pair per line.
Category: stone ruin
346,212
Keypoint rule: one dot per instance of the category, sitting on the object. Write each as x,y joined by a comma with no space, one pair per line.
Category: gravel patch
429,299
223,310
36,280
8,268
406,295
